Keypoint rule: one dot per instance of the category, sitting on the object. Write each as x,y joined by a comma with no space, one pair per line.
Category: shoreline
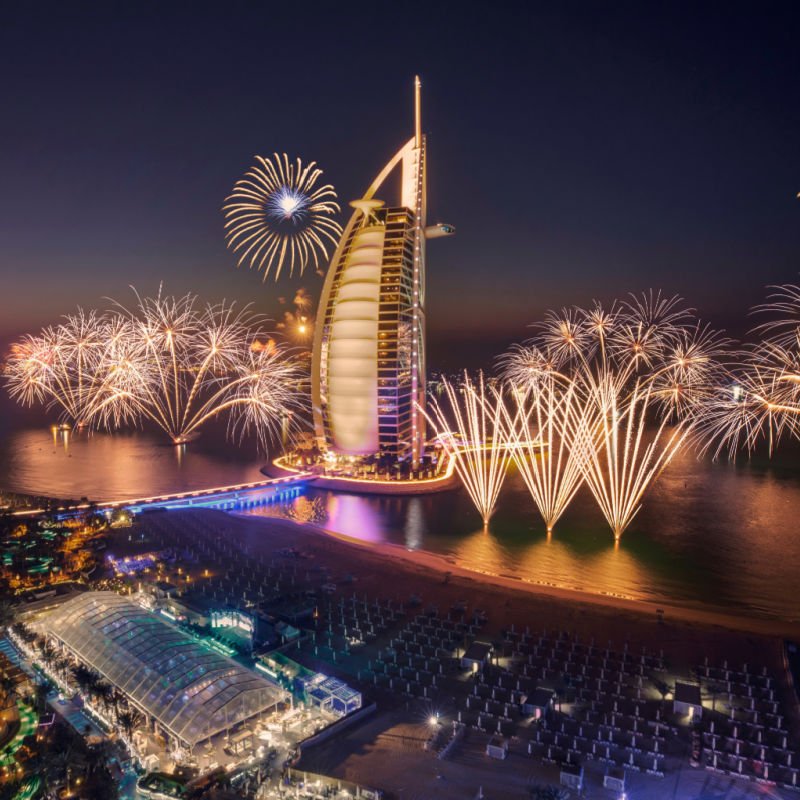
446,482
421,561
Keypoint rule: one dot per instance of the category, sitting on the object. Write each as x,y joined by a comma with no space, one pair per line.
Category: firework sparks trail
761,399
277,213
262,397
59,366
540,434
783,304
168,361
618,392
473,433
619,453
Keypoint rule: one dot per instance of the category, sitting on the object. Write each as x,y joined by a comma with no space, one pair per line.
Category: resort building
368,371
187,691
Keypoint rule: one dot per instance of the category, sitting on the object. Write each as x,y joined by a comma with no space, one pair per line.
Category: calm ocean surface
712,535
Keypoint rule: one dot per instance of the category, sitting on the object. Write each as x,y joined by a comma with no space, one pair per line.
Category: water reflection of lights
613,571
414,527
61,436
305,510
481,550
353,517
301,509
103,466
711,535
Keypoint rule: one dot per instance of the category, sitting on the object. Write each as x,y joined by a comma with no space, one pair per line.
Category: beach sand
390,571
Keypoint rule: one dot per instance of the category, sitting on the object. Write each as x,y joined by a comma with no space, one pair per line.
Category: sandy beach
387,570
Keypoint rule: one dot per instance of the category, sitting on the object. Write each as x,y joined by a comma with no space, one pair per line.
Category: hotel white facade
368,372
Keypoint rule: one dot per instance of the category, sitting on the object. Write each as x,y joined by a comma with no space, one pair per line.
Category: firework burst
277,214
298,324
191,364
761,399
611,395
526,366
60,365
167,360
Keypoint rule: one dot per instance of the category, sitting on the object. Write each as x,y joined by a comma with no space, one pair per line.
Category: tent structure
188,689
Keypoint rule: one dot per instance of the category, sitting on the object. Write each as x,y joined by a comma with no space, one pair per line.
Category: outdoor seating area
606,706
563,701
348,622
424,650
747,732
308,786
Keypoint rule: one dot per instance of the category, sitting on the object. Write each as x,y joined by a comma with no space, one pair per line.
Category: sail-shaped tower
368,369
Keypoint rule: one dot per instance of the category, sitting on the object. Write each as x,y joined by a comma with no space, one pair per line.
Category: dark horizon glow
581,153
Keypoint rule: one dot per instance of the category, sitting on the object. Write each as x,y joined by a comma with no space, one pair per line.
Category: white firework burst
277,215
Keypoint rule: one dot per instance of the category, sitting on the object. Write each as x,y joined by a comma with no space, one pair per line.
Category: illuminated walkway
245,495
241,495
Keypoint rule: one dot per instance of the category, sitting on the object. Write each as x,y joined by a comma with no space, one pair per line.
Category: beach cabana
614,779
687,700
572,776
538,703
477,654
497,747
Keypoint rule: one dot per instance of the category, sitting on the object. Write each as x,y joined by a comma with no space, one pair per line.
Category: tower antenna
417,112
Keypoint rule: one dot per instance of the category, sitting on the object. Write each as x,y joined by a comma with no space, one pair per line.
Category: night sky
582,150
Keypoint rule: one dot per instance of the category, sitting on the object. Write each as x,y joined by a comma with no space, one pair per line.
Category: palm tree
61,665
8,689
119,702
21,630
86,678
129,720
7,613
57,763
48,653
42,690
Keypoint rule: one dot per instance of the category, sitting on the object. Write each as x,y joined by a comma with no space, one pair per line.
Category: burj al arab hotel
368,369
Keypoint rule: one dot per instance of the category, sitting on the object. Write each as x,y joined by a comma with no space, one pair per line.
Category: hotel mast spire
368,368
417,111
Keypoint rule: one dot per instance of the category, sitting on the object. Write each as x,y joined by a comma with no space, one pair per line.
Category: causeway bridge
238,496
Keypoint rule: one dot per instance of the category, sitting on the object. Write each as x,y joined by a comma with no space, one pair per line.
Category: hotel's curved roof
192,691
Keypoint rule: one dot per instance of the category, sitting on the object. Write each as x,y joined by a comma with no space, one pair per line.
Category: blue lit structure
228,498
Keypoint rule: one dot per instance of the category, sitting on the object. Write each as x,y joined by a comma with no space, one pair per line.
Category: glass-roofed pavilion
189,690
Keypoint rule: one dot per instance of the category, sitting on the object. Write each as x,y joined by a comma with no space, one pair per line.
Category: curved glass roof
193,691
